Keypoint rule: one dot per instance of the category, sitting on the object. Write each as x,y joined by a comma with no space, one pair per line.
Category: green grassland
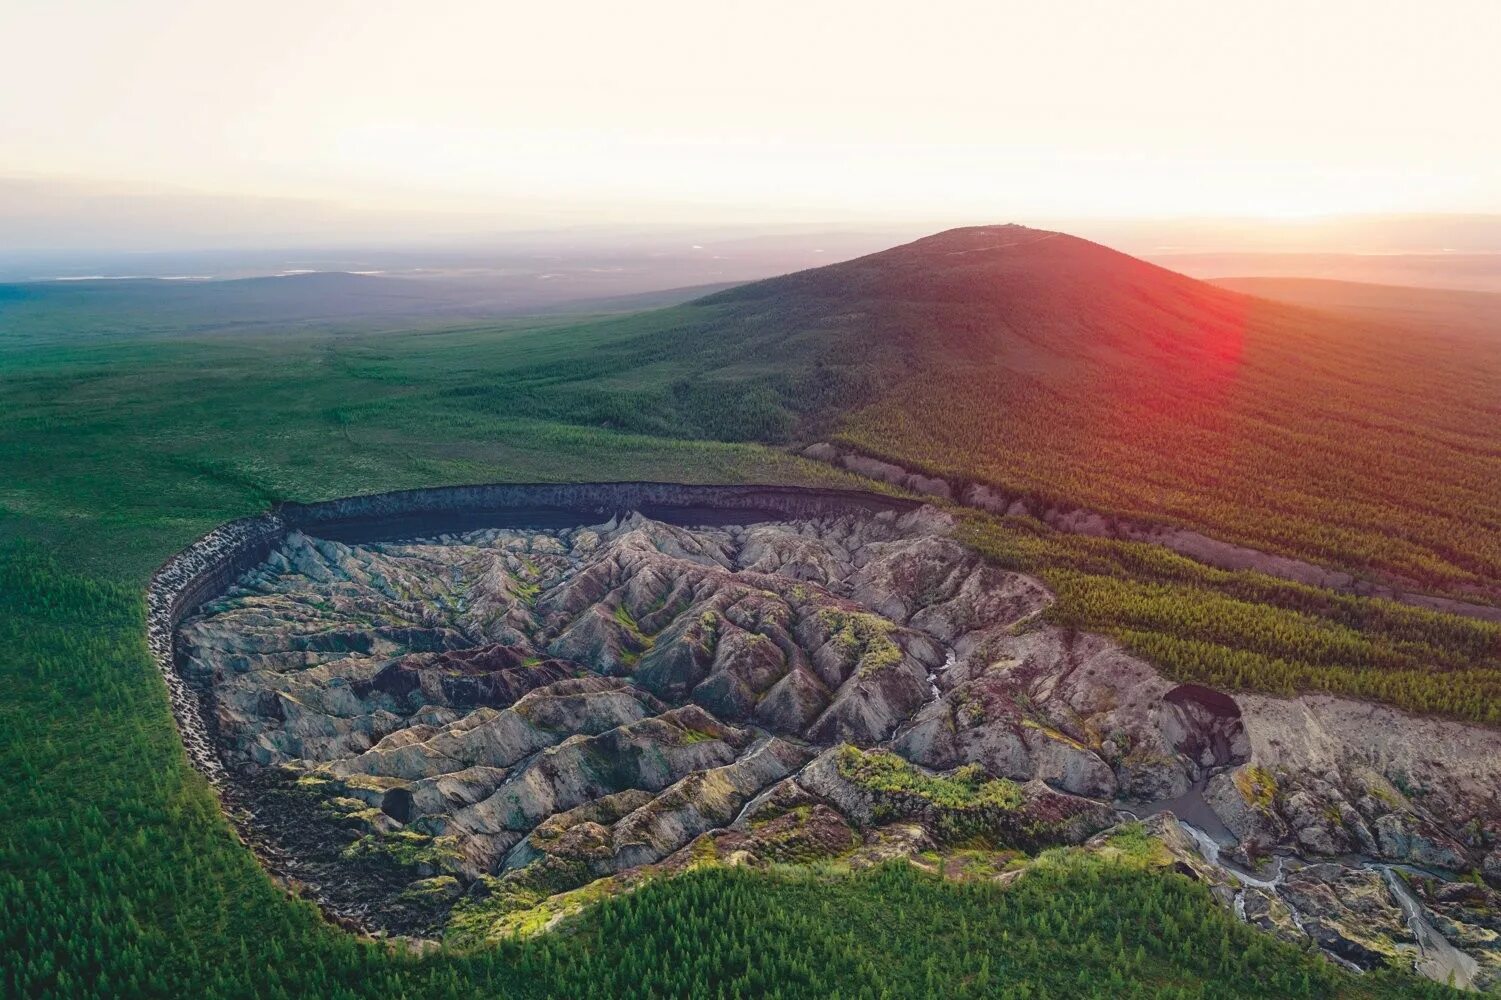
120,877
120,454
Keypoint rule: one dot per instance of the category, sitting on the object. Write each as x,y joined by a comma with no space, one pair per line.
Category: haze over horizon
793,499
168,126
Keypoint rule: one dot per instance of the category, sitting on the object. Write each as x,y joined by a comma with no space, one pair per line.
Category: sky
159,119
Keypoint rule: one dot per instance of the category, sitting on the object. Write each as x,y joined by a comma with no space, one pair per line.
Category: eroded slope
479,732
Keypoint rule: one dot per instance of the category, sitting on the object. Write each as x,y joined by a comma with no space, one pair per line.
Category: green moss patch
968,787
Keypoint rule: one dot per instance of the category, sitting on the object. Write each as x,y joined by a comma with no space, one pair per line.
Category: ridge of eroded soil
472,733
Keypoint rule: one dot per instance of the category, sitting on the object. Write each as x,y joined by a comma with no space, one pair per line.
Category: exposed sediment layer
208,566
1184,541
202,570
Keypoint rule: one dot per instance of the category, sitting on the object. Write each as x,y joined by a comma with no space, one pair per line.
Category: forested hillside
1047,365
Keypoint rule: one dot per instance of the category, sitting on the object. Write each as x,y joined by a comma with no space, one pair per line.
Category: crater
424,716
464,712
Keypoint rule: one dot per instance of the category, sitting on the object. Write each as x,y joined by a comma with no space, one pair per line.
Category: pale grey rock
606,694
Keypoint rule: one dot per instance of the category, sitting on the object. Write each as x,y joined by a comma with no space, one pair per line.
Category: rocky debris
580,702
1328,776
1466,916
1078,712
462,727
1363,915
1348,912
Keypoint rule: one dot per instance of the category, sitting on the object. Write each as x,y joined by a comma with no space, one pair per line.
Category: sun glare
676,112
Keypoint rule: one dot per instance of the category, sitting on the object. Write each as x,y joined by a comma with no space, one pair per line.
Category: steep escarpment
480,731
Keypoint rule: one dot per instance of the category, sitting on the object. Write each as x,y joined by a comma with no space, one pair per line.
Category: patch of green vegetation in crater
1257,786
640,643
968,787
863,637
406,848
691,736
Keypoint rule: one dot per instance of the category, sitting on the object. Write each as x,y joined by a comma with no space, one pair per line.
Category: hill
1458,311
38,313
1053,367
1478,269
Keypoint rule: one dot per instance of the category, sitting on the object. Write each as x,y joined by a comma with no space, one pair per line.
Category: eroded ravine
455,733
